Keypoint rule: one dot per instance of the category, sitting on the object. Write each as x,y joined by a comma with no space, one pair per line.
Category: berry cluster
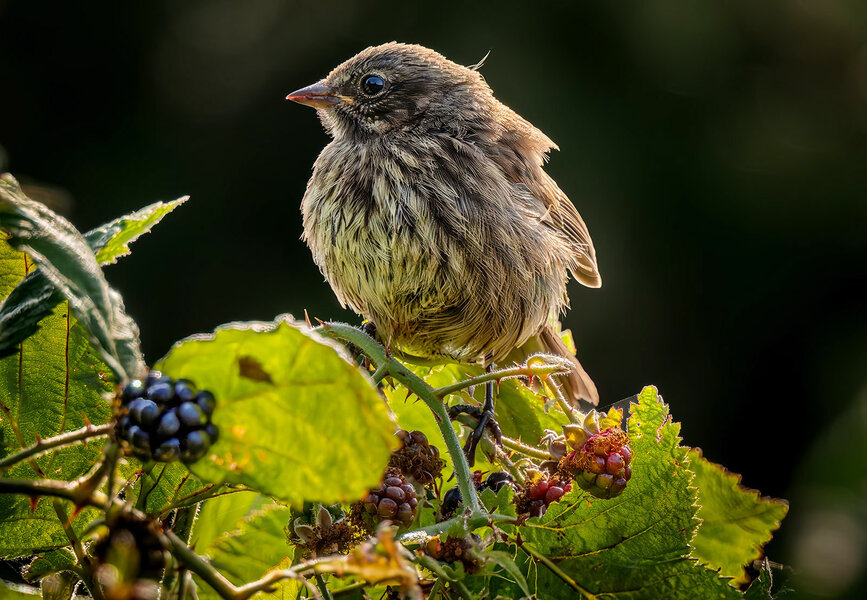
540,494
394,500
456,549
601,466
166,420
416,458
134,543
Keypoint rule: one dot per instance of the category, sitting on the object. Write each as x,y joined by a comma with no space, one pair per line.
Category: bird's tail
576,385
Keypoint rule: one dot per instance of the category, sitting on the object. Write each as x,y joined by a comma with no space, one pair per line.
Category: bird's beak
317,95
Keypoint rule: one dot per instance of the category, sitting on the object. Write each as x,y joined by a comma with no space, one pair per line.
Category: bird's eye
372,85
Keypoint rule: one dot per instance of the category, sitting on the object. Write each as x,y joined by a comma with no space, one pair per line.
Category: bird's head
396,87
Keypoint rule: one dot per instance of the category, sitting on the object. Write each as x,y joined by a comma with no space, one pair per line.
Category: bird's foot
487,422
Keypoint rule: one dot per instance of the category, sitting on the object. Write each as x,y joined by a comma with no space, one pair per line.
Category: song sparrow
431,215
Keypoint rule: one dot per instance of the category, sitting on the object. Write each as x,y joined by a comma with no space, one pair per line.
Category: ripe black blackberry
394,500
166,420
417,458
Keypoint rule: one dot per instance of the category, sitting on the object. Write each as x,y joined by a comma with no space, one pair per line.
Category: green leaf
24,532
513,573
638,543
223,513
163,487
53,561
292,410
54,384
111,241
35,297
258,546
49,562
736,522
68,262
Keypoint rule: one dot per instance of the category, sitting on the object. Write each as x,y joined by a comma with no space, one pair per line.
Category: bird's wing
522,153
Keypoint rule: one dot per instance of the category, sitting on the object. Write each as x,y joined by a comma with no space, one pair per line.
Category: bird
431,215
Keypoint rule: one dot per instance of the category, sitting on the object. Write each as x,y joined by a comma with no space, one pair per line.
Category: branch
529,371
224,588
388,366
53,488
65,439
480,518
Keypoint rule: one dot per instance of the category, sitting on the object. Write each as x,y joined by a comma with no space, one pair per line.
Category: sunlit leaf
292,411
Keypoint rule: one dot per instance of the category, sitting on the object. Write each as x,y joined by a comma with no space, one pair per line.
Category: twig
323,589
224,588
50,487
475,520
58,441
384,363
519,446
85,571
542,369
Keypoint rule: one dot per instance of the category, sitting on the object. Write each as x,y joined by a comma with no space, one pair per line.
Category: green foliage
35,296
637,543
256,546
66,260
300,423
735,522
292,410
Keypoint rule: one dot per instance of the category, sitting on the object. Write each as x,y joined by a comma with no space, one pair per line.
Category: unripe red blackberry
416,458
540,494
601,466
394,500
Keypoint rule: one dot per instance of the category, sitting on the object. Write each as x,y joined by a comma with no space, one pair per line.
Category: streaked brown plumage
430,212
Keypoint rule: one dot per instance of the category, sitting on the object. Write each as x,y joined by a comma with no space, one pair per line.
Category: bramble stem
384,363
50,487
475,520
58,441
519,446
508,373
224,588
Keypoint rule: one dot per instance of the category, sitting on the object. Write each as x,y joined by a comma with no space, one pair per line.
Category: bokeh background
717,150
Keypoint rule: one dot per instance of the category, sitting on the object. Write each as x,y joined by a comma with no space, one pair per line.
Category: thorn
34,502
320,321
76,510
408,394
38,440
388,350
307,319
87,422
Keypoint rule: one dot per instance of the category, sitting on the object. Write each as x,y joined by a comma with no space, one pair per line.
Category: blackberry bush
166,420
310,429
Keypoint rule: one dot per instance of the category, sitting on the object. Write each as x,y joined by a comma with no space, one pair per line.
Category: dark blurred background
717,151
